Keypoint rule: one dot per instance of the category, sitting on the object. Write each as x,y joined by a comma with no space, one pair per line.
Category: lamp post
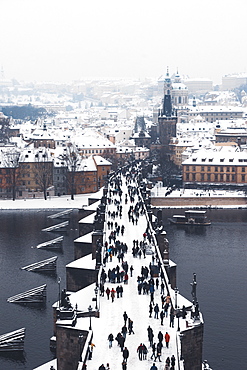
59,293
96,295
176,297
90,311
80,341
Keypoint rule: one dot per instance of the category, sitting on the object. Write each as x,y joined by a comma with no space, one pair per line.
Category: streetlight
96,294
176,297
59,294
80,340
90,310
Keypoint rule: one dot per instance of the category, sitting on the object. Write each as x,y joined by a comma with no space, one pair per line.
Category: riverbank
62,202
197,198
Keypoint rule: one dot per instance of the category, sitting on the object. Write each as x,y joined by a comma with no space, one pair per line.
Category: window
233,177
209,177
233,169
227,169
193,177
221,177
216,169
216,177
202,168
193,168
227,177
222,160
209,168
243,169
243,177
187,176
187,168
221,169
202,176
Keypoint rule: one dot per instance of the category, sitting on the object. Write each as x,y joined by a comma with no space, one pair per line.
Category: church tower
167,120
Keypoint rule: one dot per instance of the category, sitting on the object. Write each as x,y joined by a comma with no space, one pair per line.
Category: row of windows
215,169
212,177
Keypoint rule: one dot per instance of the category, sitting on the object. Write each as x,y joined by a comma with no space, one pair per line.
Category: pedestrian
125,316
173,360
145,352
102,367
107,367
130,327
124,331
121,341
166,309
113,291
153,350
172,319
91,347
160,336
140,351
131,270
154,367
168,361
150,309
150,335
158,351
161,317
156,311
125,354
124,365
167,339
110,339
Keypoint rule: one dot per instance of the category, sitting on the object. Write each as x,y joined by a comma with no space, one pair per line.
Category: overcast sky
58,40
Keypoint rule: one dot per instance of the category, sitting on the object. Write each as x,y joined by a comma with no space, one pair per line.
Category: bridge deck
135,305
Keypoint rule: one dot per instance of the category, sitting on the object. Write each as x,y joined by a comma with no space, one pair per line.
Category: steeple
167,103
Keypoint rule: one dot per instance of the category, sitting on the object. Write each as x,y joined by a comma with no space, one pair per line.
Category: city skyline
62,41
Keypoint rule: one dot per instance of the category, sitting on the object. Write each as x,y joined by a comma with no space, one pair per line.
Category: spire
167,103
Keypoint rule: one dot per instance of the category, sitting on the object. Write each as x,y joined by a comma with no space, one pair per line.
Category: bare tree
43,171
4,129
72,159
11,159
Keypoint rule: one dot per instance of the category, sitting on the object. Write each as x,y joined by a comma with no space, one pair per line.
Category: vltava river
217,254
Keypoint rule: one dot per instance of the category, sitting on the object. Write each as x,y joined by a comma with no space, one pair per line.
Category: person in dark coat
140,351
124,365
102,367
153,350
160,336
125,354
154,367
161,317
111,339
108,292
158,351
150,309
156,311
125,316
124,331
173,360
172,319
121,341
145,351
130,326
150,335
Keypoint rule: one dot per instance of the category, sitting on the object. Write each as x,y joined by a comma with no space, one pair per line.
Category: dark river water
217,254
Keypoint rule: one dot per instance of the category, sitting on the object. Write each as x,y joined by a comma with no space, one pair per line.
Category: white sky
61,40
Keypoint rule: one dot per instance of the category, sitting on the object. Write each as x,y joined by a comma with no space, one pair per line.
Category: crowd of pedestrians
116,272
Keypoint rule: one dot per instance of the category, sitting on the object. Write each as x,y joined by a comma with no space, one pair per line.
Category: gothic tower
167,120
